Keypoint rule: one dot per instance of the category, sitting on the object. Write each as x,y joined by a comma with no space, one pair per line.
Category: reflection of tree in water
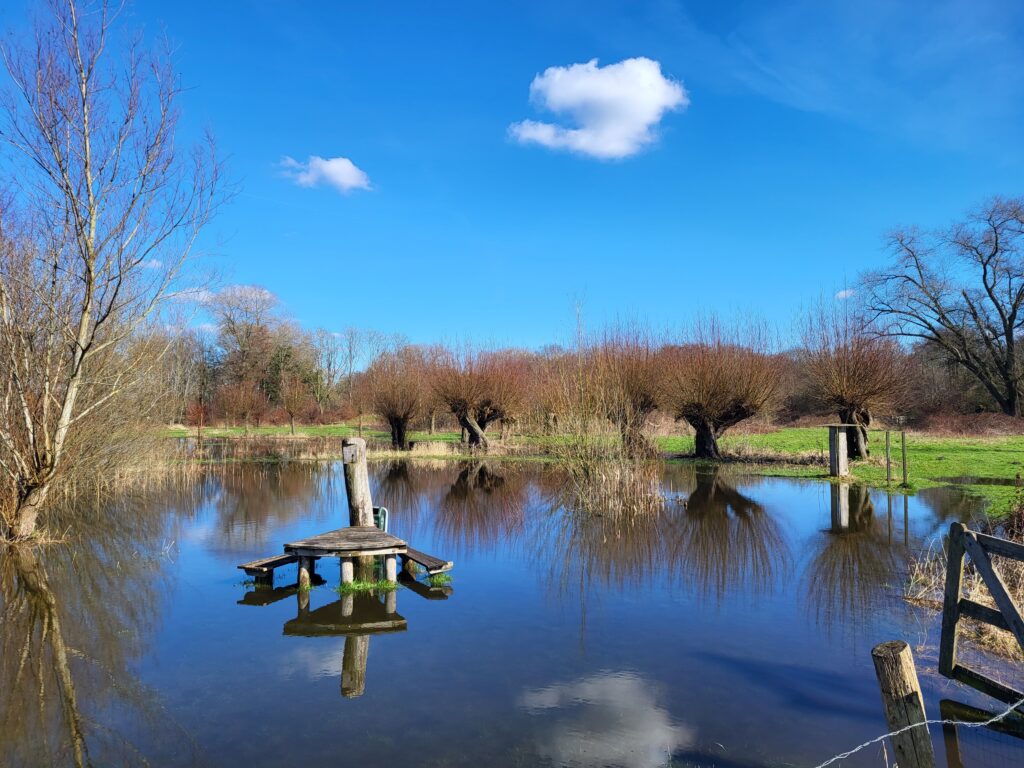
482,508
408,489
249,500
724,540
854,562
71,622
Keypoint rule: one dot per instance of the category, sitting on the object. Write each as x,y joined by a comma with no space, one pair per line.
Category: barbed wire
866,744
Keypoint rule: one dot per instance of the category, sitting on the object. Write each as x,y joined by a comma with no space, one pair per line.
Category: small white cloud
615,108
846,293
194,295
152,264
338,172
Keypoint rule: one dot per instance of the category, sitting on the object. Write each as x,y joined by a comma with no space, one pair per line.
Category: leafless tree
396,388
296,396
626,364
962,290
851,370
329,360
480,388
719,378
103,213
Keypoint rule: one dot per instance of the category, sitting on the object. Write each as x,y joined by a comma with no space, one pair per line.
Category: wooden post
353,665
348,604
306,571
903,704
888,457
357,481
391,568
951,599
840,493
391,602
838,460
888,500
903,445
348,570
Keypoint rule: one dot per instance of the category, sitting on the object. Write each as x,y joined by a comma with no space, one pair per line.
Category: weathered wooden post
838,460
391,602
391,568
353,666
348,571
357,481
903,704
888,457
840,494
306,571
903,446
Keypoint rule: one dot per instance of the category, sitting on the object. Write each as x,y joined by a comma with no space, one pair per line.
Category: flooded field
733,629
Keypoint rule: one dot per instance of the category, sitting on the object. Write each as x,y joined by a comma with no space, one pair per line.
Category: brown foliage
480,388
626,368
851,370
395,387
719,378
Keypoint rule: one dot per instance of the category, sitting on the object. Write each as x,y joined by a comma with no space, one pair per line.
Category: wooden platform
354,541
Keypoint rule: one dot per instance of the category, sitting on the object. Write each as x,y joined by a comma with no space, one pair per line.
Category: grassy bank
790,452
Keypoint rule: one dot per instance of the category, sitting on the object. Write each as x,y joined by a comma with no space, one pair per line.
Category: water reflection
355,617
854,561
608,719
483,508
726,541
72,619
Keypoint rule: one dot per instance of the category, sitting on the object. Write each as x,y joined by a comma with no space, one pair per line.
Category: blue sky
761,172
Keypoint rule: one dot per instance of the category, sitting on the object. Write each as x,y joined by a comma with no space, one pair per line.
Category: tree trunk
475,433
399,438
433,422
856,435
291,424
634,444
26,512
705,440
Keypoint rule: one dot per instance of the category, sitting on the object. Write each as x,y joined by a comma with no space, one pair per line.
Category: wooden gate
980,547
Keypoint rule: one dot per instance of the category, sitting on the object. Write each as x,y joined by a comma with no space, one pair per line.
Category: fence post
888,457
903,704
903,445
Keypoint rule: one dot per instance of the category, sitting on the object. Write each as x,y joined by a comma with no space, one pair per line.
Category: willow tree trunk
25,518
857,433
399,433
705,440
474,432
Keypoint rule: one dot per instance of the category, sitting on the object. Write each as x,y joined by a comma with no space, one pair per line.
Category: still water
733,629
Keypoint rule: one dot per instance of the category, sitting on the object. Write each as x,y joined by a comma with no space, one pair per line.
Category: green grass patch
366,586
440,579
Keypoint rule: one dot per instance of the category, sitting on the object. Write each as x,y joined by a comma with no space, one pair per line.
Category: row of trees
712,379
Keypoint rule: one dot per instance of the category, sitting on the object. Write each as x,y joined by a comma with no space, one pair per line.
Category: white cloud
615,108
338,172
152,264
194,295
610,718
846,293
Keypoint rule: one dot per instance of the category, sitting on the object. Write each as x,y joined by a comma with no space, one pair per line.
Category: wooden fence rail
979,547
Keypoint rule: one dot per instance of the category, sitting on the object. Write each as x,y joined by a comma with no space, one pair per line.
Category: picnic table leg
348,570
390,568
306,570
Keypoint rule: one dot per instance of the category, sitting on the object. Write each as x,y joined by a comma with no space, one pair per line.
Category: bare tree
481,388
104,213
395,387
852,370
626,364
296,395
718,379
329,361
962,290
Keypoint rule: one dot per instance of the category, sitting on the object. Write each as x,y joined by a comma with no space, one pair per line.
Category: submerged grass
383,585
